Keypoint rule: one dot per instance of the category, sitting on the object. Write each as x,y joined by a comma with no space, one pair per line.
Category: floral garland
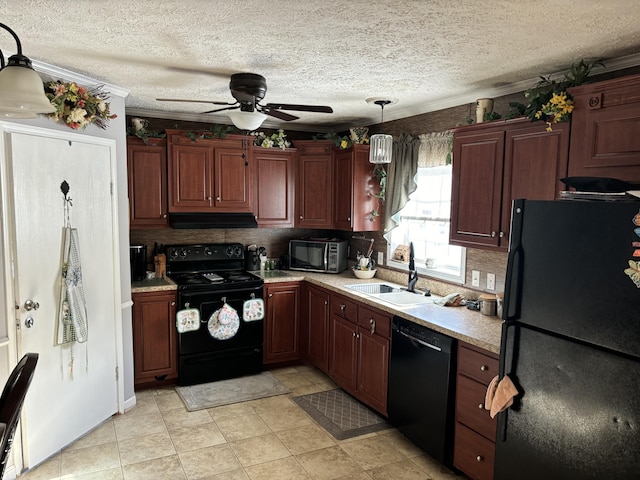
557,109
78,106
274,140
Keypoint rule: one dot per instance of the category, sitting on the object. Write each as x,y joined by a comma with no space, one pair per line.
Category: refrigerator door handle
513,282
506,355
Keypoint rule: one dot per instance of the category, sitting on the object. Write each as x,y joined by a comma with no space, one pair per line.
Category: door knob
28,322
31,305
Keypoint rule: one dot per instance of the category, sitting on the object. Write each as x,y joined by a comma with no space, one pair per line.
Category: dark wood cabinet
209,175
275,186
281,335
359,351
356,204
314,190
155,350
316,330
495,163
147,182
475,430
605,129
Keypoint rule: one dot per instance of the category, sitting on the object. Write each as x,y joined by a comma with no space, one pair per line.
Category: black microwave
325,256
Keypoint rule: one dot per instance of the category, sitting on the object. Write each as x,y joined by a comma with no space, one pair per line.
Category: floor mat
226,392
340,414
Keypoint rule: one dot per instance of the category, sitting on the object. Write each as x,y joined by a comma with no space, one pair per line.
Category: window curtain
435,148
401,182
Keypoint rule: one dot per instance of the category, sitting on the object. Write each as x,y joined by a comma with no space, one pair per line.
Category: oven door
212,336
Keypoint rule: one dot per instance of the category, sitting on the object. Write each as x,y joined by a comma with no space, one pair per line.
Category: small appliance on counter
319,255
138,261
252,257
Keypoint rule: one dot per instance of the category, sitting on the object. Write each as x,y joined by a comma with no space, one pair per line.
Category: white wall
116,130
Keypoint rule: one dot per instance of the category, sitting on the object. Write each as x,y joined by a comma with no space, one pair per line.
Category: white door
66,399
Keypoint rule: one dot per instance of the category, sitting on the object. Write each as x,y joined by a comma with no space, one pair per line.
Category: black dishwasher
422,387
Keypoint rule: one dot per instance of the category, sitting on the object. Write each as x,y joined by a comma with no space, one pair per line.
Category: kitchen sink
391,294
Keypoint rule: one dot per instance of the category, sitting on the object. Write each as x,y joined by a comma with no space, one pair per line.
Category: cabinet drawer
473,454
477,365
345,308
373,319
470,407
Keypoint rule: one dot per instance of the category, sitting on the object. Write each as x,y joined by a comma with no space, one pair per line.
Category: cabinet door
154,338
275,186
191,174
233,190
343,361
147,177
343,201
535,160
477,188
318,328
314,191
373,369
281,323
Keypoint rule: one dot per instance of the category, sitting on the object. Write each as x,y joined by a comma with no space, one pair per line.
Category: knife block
160,262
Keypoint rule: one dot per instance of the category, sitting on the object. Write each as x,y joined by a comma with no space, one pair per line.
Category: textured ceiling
426,54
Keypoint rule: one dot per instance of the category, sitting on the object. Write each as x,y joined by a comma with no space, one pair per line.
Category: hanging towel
72,318
500,395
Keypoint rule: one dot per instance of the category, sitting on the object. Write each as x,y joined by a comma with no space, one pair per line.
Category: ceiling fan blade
194,101
300,108
278,114
222,109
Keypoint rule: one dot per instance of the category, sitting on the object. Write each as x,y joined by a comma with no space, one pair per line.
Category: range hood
212,220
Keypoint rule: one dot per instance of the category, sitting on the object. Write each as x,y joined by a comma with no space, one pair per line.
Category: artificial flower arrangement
78,106
549,100
278,140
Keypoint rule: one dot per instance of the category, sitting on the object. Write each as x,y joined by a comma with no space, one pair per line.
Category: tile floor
266,439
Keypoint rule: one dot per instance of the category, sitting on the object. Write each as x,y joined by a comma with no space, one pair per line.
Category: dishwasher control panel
422,334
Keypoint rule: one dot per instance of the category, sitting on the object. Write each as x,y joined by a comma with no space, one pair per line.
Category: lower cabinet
359,351
155,348
281,336
316,331
475,430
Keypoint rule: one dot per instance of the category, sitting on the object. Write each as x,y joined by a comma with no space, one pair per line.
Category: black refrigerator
571,342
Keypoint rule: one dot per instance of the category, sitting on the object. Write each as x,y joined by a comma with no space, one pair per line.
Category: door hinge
116,374
111,188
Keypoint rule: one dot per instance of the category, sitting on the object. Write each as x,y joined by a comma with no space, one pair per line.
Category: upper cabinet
213,175
275,186
605,129
314,199
356,206
495,163
147,179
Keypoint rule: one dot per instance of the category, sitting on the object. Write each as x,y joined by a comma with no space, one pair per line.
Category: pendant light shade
380,148
21,89
380,144
247,120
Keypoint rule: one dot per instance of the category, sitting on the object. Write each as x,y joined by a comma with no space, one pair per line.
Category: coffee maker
138,261
252,257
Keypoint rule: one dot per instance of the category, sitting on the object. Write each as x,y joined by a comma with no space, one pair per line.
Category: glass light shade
247,120
22,93
380,148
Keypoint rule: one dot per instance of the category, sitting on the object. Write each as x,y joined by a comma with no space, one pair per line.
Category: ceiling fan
248,90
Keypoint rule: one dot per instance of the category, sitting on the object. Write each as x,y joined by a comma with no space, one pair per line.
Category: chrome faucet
413,274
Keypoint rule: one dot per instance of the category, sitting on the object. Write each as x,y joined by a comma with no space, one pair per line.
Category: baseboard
129,403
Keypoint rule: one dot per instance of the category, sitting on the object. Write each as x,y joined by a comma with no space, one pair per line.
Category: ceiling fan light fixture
21,89
247,120
380,144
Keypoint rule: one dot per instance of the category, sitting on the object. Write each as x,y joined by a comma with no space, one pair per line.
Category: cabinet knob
270,295
348,219
372,323
343,307
173,304
484,368
217,199
326,302
300,217
481,406
493,234
479,458
354,334
501,234
164,216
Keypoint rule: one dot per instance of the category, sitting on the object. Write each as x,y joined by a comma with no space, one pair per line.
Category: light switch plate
475,278
380,258
491,281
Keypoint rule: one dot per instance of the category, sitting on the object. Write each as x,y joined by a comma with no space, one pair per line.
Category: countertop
458,322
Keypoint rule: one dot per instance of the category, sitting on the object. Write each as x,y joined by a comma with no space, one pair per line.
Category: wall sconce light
380,144
21,89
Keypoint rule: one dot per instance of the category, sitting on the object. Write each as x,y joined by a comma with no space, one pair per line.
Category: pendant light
21,89
380,144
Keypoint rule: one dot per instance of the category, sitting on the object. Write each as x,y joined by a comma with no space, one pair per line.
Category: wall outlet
380,258
491,281
475,278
